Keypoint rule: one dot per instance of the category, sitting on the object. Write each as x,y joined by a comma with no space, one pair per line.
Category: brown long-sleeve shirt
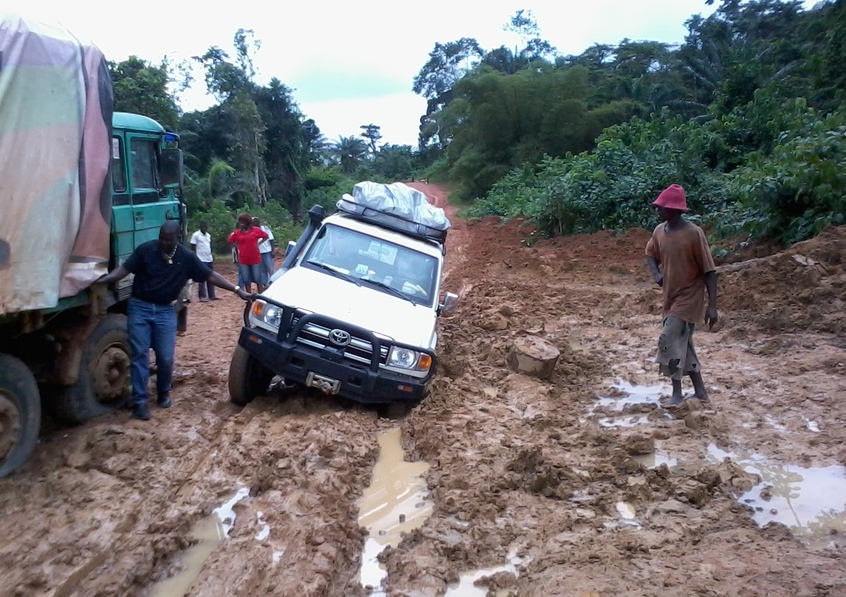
685,258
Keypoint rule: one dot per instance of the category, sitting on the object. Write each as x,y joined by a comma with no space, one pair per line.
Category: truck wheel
20,413
248,378
103,384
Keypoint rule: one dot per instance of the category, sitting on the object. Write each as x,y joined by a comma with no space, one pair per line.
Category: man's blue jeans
150,326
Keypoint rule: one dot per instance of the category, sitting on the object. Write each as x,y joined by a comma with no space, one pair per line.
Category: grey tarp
55,129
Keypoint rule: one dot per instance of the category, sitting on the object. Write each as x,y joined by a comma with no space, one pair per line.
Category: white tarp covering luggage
55,130
400,200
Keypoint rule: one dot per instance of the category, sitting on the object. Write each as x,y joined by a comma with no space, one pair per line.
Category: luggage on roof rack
398,207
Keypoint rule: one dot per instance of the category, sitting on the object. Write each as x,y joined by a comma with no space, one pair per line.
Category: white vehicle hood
364,306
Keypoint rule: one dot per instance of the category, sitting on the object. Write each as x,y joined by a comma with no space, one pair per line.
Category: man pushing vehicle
162,268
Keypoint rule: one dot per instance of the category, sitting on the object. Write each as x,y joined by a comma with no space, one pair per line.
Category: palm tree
350,152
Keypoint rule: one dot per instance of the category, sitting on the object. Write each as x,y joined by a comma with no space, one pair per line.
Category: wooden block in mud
533,356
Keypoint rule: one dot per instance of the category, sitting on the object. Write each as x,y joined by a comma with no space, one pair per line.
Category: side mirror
291,246
448,306
171,164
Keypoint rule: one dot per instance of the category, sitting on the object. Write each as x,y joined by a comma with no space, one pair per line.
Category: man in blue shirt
161,268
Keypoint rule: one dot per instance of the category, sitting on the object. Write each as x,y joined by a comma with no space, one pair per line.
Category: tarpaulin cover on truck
55,128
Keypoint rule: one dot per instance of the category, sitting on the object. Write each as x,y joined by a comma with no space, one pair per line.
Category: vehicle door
151,204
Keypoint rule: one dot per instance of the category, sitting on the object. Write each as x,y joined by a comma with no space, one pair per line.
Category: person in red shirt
686,271
246,238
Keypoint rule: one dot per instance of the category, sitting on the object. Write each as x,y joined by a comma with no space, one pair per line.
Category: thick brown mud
579,485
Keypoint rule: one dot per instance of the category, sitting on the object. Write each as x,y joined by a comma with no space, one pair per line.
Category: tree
290,144
524,24
141,87
372,133
349,152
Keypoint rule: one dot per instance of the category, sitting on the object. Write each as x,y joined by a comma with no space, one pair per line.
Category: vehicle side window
143,162
118,167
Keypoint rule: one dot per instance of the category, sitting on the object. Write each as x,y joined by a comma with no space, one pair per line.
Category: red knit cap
672,198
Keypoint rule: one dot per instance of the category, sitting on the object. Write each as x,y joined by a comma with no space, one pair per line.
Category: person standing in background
246,238
266,248
201,245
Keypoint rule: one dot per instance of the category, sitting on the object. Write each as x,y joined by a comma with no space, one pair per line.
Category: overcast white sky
351,63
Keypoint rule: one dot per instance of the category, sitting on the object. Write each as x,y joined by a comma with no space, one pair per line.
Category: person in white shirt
266,249
201,245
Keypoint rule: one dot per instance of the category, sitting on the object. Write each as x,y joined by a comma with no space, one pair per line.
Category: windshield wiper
335,272
390,289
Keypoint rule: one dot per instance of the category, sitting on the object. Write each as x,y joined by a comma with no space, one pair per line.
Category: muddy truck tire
248,378
20,413
103,384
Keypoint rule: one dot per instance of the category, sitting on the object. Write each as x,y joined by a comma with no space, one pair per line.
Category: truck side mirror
171,164
291,246
448,306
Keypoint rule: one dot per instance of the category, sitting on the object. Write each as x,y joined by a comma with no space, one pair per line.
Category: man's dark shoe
141,412
164,401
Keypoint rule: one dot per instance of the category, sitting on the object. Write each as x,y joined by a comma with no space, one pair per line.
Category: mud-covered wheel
248,378
104,383
20,413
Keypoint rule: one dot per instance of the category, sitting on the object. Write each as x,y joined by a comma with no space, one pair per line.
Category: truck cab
146,183
353,311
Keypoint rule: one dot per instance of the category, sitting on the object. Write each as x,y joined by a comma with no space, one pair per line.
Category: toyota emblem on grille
339,337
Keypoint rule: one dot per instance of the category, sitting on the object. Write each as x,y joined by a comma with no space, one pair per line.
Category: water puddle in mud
809,500
396,502
208,534
656,459
465,586
628,395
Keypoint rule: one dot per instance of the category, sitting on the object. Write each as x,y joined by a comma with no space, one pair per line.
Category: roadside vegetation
748,114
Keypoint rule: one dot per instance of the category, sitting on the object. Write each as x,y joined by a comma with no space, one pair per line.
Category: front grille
359,349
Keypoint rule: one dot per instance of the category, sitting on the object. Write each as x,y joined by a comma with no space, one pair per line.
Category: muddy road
579,485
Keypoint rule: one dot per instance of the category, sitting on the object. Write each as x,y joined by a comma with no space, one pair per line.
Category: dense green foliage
747,114
142,88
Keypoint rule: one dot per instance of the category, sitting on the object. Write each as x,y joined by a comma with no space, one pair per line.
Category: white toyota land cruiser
353,309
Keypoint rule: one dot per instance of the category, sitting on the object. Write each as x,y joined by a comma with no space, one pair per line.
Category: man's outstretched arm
119,273
221,282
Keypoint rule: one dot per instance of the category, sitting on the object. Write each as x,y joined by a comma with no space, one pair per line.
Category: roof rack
392,221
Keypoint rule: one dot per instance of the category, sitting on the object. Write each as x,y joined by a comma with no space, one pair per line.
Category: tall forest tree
141,87
373,133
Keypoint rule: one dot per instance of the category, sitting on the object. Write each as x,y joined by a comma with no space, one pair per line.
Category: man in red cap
680,260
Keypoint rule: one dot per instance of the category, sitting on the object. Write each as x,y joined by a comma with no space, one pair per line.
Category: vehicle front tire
104,380
248,378
20,413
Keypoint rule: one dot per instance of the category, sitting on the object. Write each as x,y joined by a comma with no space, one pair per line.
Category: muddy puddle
811,501
656,459
627,405
396,502
208,534
466,585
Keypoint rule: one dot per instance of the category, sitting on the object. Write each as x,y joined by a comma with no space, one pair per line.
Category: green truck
81,187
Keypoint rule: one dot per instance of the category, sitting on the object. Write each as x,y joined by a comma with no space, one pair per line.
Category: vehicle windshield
367,258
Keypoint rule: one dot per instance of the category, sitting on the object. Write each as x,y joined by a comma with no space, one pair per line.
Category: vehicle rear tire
248,378
20,413
104,380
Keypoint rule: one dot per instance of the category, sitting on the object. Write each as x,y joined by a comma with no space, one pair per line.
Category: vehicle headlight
405,358
266,313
